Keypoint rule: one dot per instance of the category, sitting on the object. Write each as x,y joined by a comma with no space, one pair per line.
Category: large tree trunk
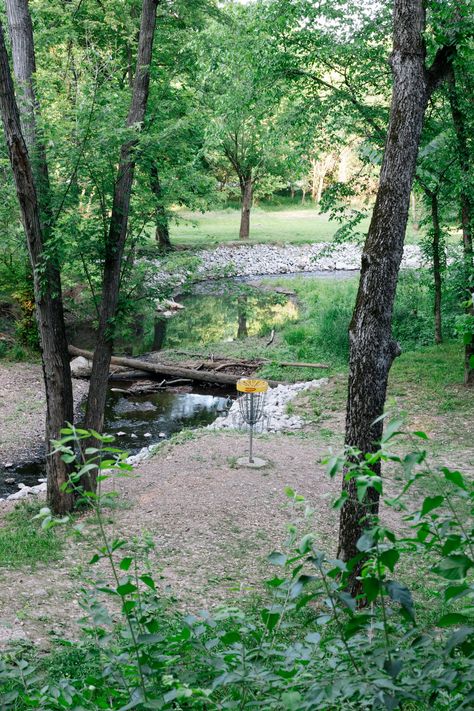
246,188
115,244
467,215
372,347
24,67
32,187
162,232
437,265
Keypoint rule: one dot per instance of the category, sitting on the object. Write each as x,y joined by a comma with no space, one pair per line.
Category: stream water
138,420
213,313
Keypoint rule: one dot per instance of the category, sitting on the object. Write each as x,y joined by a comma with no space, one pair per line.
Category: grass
23,541
290,223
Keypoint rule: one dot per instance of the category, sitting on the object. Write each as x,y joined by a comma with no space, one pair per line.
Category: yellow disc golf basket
251,404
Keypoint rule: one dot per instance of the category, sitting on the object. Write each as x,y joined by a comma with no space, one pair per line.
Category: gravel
276,416
260,259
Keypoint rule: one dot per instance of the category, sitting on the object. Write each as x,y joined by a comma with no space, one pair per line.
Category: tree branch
441,67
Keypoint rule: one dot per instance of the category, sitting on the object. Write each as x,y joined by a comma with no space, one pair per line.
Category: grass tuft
23,541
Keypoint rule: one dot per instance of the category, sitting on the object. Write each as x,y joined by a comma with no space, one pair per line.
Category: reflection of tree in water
238,313
210,318
242,331
159,333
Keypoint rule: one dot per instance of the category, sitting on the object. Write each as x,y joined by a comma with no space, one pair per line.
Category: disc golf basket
251,408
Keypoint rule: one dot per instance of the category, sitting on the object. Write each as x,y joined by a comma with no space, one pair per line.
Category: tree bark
162,233
47,281
438,330
372,347
24,67
246,188
467,216
115,243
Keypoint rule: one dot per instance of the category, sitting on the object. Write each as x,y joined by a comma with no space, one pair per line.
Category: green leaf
365,542
390,558
458,638
393,667
455,478
371,588
453,592
148,580
291,700
277,558
126,589
431,503
453,567
421,435
231,637
270,619
401,594
125,563
306,543
452,618
339,503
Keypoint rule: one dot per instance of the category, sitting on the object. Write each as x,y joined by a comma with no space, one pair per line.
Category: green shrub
312,646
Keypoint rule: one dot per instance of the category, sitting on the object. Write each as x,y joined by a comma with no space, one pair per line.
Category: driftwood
174,371
258,361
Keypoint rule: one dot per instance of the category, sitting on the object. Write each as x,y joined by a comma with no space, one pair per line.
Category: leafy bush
376,651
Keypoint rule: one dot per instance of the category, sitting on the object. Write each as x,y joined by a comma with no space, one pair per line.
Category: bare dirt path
212,526
22,410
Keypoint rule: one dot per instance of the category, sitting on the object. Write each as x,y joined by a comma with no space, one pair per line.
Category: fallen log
175,371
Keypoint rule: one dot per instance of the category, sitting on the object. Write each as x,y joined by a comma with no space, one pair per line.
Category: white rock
81,367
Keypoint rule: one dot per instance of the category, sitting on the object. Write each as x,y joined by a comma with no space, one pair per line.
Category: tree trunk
436,267
24,67
372,347
162,233
246,192
467,217
115,243
32,187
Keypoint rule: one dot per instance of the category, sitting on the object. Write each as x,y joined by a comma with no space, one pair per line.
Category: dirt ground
22,410
212,524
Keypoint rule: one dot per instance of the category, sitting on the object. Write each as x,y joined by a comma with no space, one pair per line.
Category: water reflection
206,318
144,419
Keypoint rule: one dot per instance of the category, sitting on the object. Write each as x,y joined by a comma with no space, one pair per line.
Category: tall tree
372,347
116,238
466,199
250,115
28,160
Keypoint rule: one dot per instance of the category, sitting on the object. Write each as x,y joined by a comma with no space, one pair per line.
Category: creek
139,420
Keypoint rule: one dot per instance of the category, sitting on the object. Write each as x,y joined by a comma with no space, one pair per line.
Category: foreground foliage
310,646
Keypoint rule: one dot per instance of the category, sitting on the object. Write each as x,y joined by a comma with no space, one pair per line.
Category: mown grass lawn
288,223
